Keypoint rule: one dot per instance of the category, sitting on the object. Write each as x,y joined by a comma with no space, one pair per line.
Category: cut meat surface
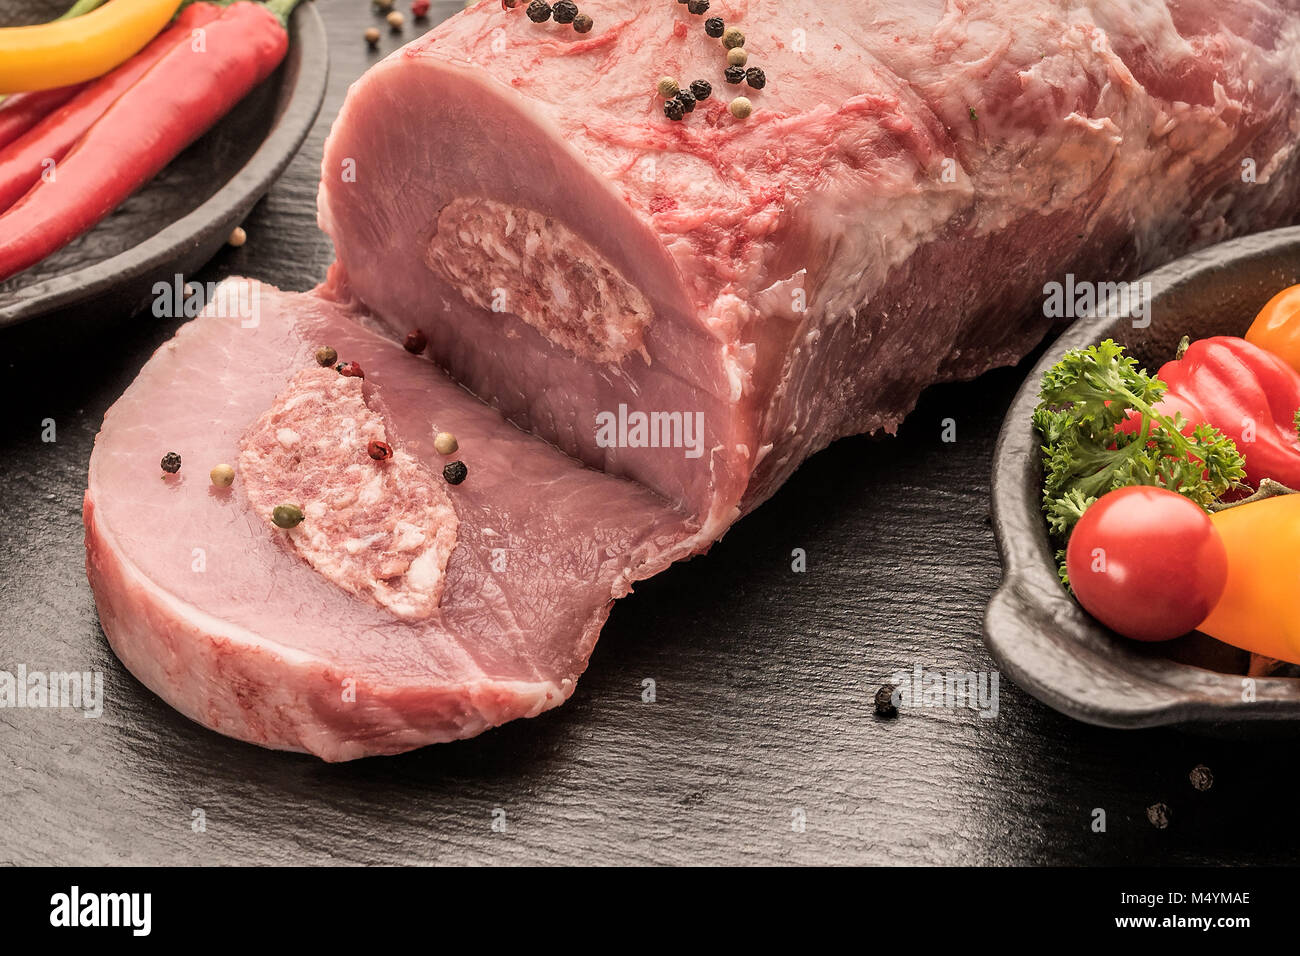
382,529
214,609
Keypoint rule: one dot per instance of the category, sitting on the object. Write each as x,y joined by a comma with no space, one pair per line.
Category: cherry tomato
1277,327
1147,563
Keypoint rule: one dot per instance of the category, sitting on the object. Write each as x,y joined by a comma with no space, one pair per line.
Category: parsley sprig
1084,398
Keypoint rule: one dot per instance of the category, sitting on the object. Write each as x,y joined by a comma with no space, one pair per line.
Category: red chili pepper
22,164
177,99
22,111
1251,395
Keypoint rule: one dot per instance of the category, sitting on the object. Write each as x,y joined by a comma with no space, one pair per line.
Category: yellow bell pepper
1259,610
68,51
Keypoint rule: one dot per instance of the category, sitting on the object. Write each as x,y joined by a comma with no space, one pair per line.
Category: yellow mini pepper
68,51
1260,610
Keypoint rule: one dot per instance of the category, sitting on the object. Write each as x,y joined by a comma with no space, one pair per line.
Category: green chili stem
80,7
282,9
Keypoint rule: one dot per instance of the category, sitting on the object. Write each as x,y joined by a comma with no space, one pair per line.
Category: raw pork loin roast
638,327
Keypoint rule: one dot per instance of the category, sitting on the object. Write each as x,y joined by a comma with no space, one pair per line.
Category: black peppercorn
564,11
454,472
885,706
687,99
539,11
714,27
674,109
1201,777
697,6
171,463
701,89
735,74
582,23
756,78
1158,815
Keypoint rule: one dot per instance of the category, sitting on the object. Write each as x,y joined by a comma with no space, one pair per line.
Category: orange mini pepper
1277,327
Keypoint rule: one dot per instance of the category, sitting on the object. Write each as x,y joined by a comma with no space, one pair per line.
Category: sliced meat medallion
332,638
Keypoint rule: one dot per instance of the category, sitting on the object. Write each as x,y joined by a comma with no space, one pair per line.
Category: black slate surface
764,678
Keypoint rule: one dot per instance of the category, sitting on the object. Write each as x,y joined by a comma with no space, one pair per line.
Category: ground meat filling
382,530
509,259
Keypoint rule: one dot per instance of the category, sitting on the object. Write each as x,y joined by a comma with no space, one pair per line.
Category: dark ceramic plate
178,221
1037,633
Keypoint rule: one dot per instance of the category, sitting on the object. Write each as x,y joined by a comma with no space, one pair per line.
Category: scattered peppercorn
350,369
974,117
732,38
734,74
1201,777
509,4
687,99
383,6
419,9
223,476
444,443
582,23
885,706
415,342
674,109
326,356
286,516
737,57
714,27
171,463
697,7
455,472
668,87
565,11
539,11
1158,815
756,78
701,89
379,450
372,37
237,237
395,20
741,107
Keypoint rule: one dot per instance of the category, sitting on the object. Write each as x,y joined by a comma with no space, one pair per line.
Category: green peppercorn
564,11
582,23
756,78
326,356
539,11
286,516
674,109
171,463
714,27
454,472
735,74
701,89
732,38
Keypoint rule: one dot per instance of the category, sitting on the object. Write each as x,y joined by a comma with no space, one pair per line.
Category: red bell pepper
1251,395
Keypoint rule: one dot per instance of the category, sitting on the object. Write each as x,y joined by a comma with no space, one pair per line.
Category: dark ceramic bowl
1039,636
178,221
